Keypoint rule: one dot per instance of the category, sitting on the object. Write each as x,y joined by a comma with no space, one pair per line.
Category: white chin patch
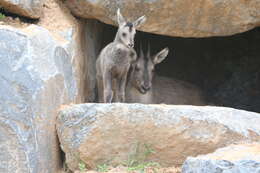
142,91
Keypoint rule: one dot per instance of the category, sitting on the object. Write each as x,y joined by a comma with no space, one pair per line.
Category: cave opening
226,69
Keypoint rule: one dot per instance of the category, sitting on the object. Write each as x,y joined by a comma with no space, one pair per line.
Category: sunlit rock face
184,18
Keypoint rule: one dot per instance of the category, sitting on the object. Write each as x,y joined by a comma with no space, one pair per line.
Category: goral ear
120,19
139,21
159,57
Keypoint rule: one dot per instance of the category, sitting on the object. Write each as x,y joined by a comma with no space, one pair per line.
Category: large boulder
185,18
28,8
112,133
41,67
37,75
243,158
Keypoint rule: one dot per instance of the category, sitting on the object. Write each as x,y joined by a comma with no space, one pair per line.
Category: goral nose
131,45
146,87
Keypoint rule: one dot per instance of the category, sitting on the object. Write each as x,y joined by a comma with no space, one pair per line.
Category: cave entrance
226,69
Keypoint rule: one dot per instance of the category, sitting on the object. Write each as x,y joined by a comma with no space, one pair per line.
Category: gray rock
232,159
36,77
27,8
183,18
92,46
113,133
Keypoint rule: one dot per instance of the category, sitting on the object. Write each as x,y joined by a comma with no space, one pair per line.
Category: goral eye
124,34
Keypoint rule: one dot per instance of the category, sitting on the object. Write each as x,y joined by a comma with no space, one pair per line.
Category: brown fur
142,88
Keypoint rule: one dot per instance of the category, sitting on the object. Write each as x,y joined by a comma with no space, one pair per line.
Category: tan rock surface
237,152
147,170
111,133
185,18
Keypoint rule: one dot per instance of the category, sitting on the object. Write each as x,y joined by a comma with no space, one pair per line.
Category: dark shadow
22,18
227,69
